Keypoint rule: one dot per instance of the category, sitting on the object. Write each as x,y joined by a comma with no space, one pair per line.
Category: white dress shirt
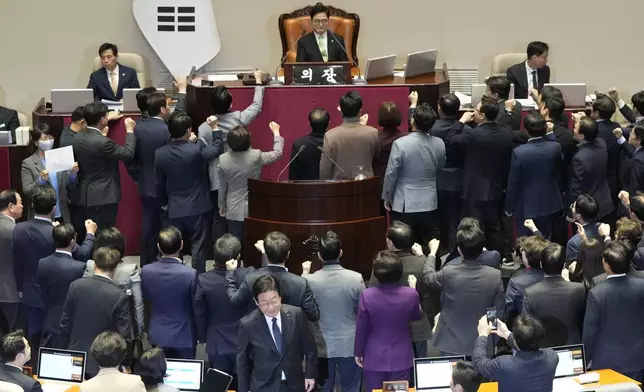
43,218
269,321
64,252
529,71
615,276
109,75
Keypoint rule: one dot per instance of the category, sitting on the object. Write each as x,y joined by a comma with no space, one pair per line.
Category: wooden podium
301,209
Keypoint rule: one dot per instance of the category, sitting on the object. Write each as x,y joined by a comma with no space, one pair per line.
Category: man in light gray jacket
337,292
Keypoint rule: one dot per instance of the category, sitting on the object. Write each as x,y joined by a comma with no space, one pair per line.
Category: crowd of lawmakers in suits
452,187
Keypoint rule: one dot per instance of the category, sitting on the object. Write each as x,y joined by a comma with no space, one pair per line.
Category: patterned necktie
322,46
277,335
113,84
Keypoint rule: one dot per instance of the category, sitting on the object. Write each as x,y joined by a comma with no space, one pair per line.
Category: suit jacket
307,165
633,178
337,292
32,166
32,241
518,75
170,286
98,158
588,175
450,178
100,83
610,342
519,282
488,150
110,379
14,375
526,371
93,305
55,274
351,145
9,121
386,139
509,120
151,134
182,177
605,131
533,190
8,288
491,258
295,290
309,51
217,320
410,181
572,246
235,168
260,364
563,320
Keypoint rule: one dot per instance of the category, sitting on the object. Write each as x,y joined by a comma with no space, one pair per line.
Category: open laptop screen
434,373
61,365
184,374
572,360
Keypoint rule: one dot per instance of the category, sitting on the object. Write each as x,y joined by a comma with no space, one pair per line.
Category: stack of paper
464,98
527,103
222,77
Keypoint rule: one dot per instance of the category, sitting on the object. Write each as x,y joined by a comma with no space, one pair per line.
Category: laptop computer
216,381
60,369
66,100
479,89
574,94
434,374
572,360
419,63
129,99
379,67
184,374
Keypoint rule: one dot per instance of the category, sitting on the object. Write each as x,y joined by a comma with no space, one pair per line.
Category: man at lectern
321,44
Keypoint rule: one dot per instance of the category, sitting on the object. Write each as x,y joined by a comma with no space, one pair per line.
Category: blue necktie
277,335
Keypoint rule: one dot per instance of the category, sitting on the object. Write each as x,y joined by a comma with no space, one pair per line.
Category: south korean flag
182,32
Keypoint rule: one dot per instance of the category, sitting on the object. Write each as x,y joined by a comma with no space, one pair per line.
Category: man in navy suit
533,191
108,82
321,44
491,258
531,74
602,110
182,182
634,178
584,212
55,273
170,286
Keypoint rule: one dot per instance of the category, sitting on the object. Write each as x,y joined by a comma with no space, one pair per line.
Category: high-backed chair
297,23
131,60
501,62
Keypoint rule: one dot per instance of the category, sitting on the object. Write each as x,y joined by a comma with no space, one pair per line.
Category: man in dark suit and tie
491,258
584,213
182,182
307,165
169,286
633,158
98,158
295,289
321,44
10,209
498,88
93,305
55,274
9,121
16,352
273,340
543,300
531,74
553,108
602,110
108,82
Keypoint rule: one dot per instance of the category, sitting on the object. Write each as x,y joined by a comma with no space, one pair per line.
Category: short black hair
464,374
389,116
471,242
111,237
227,247
109,349
587,207
277,247
220,100
95,112
78,114
449,104
469,222
387,267
588,127
108,46
350,104
330,246
489,107
319,120
555,105
239,139
264,284
151,367
142,98
638,102
8,196
535,125
638,130
636,207
178,124
401,235
550,91
499,85
43,199
319,8
63,235
533,247
604,106
36,133
528,332
424,117
13,344
155,102
169,240
553,259
617,257
537,48
106,258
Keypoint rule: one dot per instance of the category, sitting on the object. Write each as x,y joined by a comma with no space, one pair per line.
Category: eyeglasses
320,21
272,303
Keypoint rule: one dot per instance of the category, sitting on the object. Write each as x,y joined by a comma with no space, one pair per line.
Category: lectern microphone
360,80
291,161
276,81
320,149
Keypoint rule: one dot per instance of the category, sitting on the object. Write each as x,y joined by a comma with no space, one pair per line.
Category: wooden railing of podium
300,209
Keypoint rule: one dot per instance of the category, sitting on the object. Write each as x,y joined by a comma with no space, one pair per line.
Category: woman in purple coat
383,345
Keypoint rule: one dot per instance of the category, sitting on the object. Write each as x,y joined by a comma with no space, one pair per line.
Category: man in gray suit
409,189
337,291
10,210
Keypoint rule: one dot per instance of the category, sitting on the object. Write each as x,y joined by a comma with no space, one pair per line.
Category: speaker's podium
301,209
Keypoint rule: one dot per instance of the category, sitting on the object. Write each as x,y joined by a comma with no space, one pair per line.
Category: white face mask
45,145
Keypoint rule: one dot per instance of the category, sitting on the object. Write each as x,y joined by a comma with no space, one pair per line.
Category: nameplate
318,75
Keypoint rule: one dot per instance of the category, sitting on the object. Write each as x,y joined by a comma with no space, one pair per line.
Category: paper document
108,102
527,103
566,385
222,77
400,74
464,98
59,159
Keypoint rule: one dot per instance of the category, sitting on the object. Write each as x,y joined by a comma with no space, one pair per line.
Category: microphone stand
276,81
360,80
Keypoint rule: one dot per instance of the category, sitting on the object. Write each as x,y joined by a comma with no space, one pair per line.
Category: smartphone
491,317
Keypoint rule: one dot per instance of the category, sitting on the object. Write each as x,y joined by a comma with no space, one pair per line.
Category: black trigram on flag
176,19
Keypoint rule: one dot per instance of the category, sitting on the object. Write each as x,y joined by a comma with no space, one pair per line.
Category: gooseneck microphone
320,149
276,81
360,80
291,161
